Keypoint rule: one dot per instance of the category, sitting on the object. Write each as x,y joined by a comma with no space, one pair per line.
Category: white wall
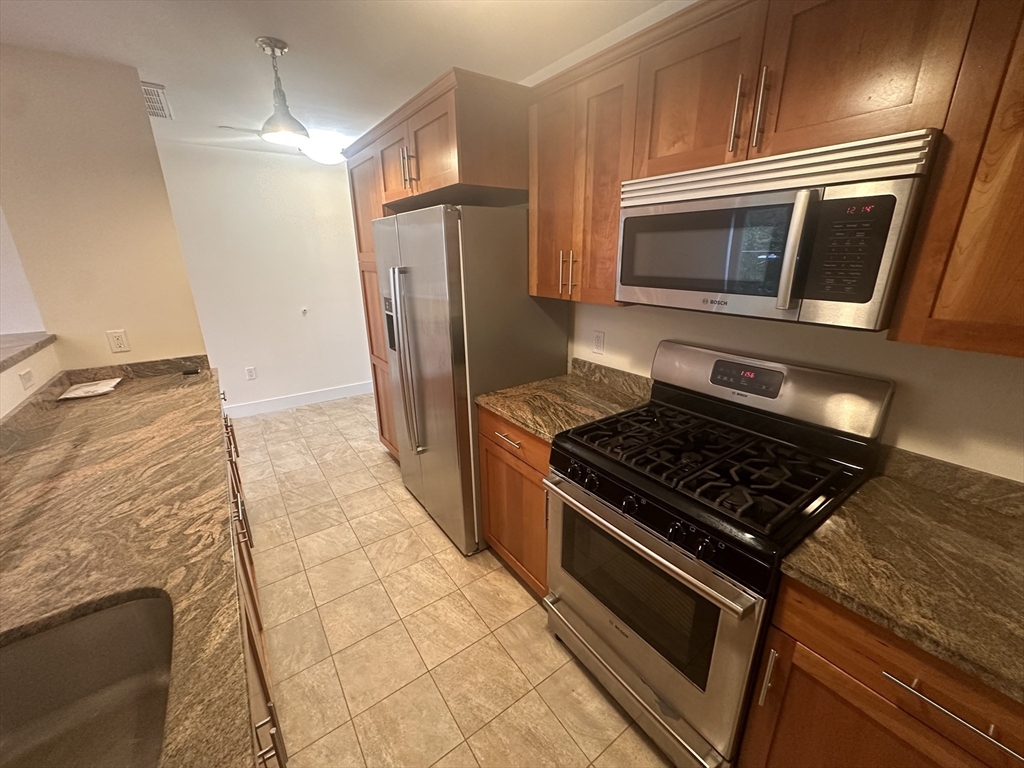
44,365
962,407
265,235
19,312
85,200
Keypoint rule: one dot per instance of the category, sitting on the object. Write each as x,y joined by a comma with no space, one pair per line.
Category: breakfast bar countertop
122,496
933,552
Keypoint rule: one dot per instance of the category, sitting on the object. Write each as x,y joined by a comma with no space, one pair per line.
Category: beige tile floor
387,646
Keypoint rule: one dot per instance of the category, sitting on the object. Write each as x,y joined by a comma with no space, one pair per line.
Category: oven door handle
738,608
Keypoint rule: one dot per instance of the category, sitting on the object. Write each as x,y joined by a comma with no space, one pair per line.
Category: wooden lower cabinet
385,406
514,508
827,694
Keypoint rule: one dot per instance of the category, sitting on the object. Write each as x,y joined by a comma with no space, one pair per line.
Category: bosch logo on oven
717,302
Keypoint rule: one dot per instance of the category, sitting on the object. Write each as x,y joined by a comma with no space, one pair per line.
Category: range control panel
848,248
747,378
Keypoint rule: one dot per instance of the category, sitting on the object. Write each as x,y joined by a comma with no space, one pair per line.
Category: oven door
736,255
672,640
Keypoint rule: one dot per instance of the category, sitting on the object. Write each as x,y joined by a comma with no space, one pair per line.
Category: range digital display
764,382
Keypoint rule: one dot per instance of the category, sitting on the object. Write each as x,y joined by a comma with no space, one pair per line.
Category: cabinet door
391,149
433,152
842,70
605,121
692,101
514,513
965,285
814,714
552,159
373,311
385,406
367,190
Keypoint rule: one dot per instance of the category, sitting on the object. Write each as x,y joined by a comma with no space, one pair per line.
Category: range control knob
705,548
575,473
629,505
673,531
591,481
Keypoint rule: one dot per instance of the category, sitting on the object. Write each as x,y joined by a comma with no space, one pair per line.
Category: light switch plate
26,379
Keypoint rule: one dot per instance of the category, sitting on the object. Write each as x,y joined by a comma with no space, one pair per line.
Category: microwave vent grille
887,157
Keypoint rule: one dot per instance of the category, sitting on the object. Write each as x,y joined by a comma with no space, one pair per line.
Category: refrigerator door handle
405,361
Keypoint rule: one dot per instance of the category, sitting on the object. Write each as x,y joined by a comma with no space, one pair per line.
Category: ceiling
350,63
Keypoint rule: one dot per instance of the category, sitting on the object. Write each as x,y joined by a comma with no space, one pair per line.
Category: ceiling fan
282,128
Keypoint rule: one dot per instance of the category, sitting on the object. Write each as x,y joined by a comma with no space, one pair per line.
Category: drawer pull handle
769,668
509,440
913,689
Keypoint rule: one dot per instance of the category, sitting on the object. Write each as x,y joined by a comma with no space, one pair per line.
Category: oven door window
728,250
674,620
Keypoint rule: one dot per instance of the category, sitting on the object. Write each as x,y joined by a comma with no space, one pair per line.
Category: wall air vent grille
156,100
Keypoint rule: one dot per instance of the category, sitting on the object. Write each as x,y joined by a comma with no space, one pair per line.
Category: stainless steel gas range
668,523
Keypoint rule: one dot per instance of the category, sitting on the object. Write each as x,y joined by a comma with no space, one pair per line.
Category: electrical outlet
250,373
599,342
118,341
26,379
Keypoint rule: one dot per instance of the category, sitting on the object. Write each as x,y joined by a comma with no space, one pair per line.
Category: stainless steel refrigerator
459,322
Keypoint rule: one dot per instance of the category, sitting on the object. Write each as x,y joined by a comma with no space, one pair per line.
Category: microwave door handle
789,255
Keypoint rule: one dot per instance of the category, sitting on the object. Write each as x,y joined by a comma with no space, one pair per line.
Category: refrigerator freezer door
390,278
432,287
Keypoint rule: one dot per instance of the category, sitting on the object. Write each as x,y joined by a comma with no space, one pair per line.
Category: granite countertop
15,347
124,496
547,407
935,553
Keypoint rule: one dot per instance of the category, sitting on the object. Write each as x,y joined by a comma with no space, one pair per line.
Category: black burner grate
756,480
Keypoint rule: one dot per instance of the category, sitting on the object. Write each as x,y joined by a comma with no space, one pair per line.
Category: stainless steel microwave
817,236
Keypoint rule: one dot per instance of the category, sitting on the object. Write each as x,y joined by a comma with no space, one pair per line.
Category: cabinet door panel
687,94
552,159
433,153
514,513
374,312
984,281
963,286
385,406
843,70
814,714
389,149
605,122
367,193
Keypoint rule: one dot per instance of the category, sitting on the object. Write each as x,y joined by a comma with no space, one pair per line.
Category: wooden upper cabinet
464,132
367,202
693,109
391,149
605,122
552,180
964,287
843,70
433,160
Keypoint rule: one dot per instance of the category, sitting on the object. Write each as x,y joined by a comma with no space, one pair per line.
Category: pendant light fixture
281,127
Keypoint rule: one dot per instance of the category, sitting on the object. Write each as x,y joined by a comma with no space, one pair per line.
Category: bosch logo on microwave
717,302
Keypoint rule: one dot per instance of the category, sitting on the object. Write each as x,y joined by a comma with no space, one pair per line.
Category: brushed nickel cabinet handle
760,108
571,283
561,264
767,684
404,163
733,129
912,688
509,440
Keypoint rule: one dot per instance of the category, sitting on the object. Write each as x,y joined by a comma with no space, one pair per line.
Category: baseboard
294,401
